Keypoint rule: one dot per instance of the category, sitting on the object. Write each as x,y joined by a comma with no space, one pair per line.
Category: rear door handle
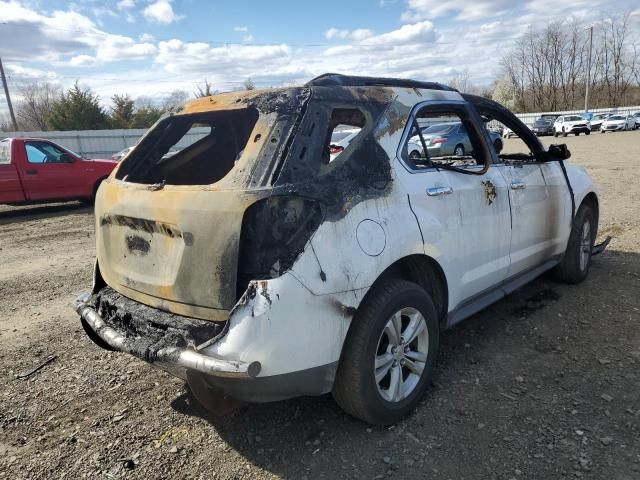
436,191
31,172
518,185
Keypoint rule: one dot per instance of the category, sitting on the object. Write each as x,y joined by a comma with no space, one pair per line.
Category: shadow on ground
532,333
26,213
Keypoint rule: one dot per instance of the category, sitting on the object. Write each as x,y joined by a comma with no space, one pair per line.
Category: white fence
529,118
102,143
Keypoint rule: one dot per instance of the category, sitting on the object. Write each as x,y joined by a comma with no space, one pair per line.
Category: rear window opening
196,149
344,126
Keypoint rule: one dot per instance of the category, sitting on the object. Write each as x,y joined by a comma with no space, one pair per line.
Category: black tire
457,148
588,132
555,133
414,155
355,388
570,269
497,145
91,200
601,131
564,133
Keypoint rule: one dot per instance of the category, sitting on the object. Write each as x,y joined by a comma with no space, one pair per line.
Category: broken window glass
195,149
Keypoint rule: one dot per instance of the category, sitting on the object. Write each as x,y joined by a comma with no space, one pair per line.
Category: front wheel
588,132
575,264
564,132
459,150
389,353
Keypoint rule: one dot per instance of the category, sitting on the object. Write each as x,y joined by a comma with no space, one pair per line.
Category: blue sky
152,47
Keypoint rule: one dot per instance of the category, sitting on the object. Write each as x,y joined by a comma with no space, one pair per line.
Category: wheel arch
426,272
591,199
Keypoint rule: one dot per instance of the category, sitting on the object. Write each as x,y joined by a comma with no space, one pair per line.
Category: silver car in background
447,139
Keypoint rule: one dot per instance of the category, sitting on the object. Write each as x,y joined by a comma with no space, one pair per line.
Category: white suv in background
274,272
566,124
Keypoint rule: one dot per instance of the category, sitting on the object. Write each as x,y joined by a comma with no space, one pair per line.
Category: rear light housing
274,233
438,141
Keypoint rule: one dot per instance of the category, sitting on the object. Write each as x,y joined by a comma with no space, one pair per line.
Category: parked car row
564,125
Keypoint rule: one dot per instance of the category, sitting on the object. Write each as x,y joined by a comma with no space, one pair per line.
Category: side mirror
66,158
558,152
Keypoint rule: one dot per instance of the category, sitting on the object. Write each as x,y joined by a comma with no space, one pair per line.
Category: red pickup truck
37,170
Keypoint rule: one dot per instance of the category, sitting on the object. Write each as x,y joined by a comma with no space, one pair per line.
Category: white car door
464,219
532,212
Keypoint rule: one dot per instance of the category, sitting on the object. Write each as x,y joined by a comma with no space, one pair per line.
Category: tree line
44,106
548,68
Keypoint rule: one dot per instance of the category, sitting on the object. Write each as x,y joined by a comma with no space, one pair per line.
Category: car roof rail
338,80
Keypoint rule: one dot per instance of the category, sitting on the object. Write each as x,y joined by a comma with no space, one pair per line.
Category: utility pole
586,91
6,94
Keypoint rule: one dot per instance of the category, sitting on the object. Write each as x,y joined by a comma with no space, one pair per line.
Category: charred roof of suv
338,80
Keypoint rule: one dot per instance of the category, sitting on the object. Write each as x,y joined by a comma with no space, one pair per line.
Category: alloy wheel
401,354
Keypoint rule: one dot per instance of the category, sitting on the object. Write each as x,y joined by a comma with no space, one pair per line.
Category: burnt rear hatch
168,224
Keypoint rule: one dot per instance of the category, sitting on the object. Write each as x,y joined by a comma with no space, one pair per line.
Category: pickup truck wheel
90,200
389,354
575,264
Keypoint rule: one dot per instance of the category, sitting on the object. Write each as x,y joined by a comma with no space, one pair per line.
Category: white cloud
357,34
126,4
241,29
248,38
64,38
335,33
467,10
161,11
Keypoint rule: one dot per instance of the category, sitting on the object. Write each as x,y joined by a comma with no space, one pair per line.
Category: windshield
572,118
542,121
616,117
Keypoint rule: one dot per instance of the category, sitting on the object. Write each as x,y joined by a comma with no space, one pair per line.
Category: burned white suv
256,263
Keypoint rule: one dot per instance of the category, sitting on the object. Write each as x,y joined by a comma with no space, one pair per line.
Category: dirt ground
542,385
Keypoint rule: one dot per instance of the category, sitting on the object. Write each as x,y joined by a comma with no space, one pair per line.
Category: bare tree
35,106
249,84
204,90
548,66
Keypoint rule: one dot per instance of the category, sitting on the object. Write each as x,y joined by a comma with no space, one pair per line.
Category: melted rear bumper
172,348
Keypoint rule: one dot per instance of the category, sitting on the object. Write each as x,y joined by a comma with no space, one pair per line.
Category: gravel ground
544,384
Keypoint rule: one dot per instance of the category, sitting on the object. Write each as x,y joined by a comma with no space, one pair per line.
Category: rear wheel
588,132
389,353
575,264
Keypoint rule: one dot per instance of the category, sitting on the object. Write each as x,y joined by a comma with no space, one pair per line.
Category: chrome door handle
518,185
435,191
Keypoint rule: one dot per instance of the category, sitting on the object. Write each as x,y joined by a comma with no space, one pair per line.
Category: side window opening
5,156
196,149
344,126
42,152
446,138
518,141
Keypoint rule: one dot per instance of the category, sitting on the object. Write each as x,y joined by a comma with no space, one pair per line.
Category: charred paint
490,192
